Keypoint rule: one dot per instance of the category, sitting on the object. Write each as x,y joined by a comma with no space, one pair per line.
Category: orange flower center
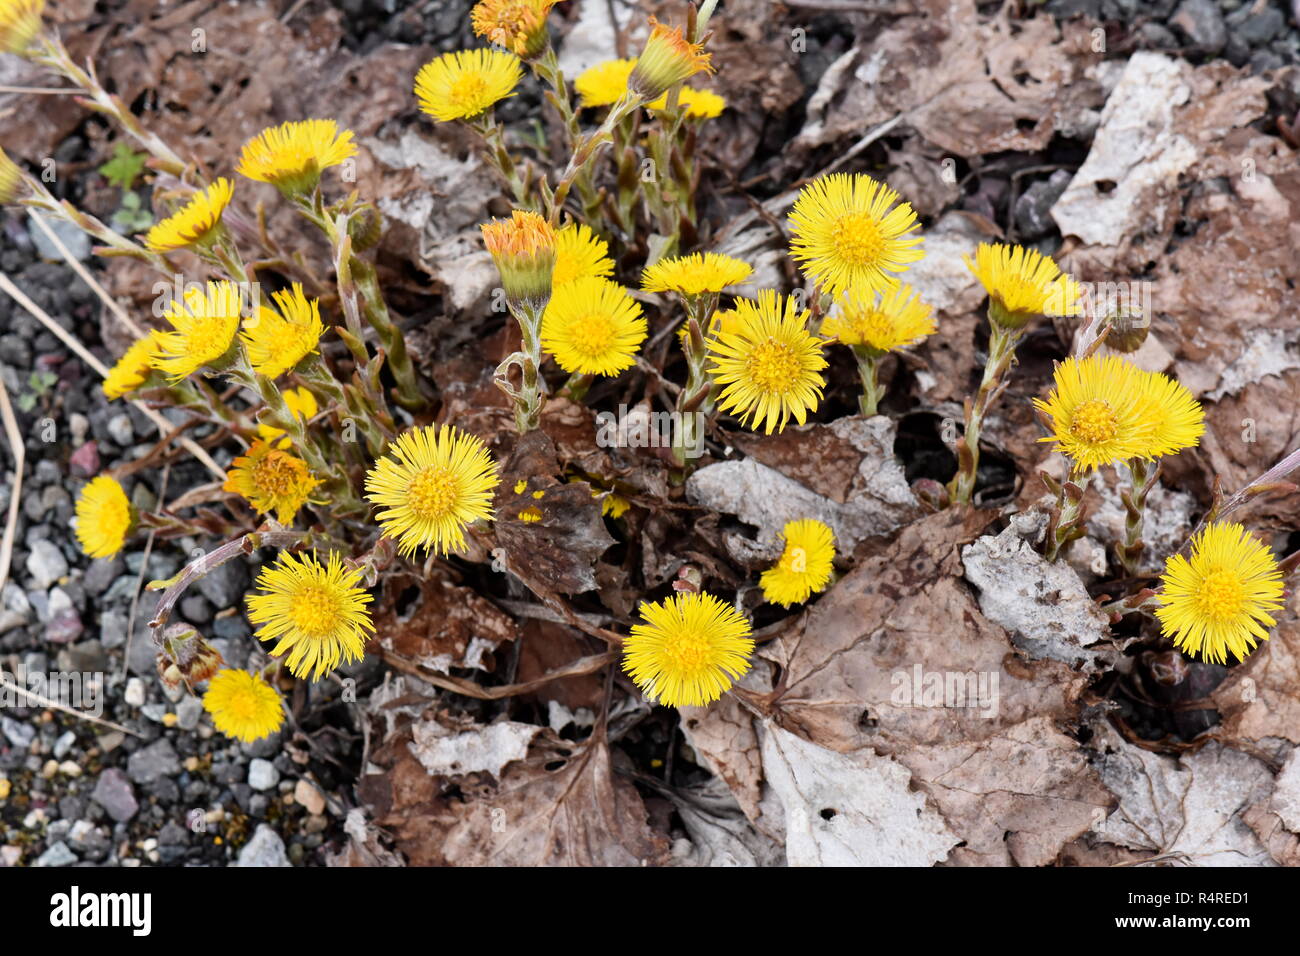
773,367
432,493
857,239
1094,422
276,475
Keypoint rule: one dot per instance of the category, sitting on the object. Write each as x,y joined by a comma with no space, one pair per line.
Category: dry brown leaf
1260,698
438,624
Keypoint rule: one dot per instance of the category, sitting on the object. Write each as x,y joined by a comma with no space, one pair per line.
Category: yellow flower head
667,59
1022,284
516,25
11,179
243,705
20,21
1179,418
689,651
697,274
881,321
277,341
593,327
1219,601
292,156
195,222
204,329
316,613
104,517
303,405
133,368
805,565
604,83
467,83
523,247
845,235
272,481
699,104
580,254
1100,412
431,484
770,364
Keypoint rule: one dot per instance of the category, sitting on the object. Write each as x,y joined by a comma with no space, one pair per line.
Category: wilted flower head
580,254
243,705
1218,602
881,321
769,363
276,341
593,327
523,247
432,483
604,83
20,21
104,517
699,273
204,327
467,83
805,565
315,613
272,480
847,233
667,59
133,368
293,155
194,223
689,651
516,25
1022,284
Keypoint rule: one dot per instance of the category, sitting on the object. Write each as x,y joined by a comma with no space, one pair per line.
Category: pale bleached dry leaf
1185,808
363,846
866,494
720,834
855,809
1042,604
453,751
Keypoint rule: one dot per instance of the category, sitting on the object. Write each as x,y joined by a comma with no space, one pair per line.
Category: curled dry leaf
1260,698
438,624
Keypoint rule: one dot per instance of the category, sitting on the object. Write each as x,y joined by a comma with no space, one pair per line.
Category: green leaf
124,168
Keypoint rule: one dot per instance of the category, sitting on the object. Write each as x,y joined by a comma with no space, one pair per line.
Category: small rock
225,586
264,849
18,733
311,799
157,760
102,573
188,712
114,793
57,855
262,775
134,694
10,855
1202,23
84,462
46,564
1259,27
76,241
121,430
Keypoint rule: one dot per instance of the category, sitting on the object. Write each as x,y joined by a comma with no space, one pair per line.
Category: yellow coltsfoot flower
699,273
133,368
293,155
691,649
243,705
580,254
276,341
699,104
302,403
1179,418
603,84
432,483
593,327
1022,284
104,517
850,232
466,84
523,248
770,365
271,480
515,25
193,224
1217,602
805,565
20,21
1100,412
204,327
315,613
667,59
881,321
